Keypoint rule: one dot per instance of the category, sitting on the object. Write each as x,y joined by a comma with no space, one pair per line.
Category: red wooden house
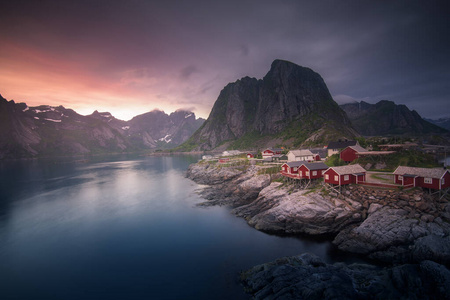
251,154
345,175
291,168
317,157
432,178
269,152
350,153
312,170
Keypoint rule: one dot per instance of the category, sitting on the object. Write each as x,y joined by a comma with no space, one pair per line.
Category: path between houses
379,177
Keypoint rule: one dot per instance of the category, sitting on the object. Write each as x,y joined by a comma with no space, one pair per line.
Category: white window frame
336,178
314,173
327,177
400,177
442,181
346,177
428,180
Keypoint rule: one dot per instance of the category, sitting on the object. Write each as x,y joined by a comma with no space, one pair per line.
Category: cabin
350,153
300,155
312,170
291,167
269,152
432,178
344,175
251,154
335,147
224,160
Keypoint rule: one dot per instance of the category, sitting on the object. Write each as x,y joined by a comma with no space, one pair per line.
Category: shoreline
389,228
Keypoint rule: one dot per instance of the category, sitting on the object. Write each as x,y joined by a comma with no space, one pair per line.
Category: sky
130,57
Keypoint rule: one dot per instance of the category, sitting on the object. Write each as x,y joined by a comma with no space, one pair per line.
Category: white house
300,155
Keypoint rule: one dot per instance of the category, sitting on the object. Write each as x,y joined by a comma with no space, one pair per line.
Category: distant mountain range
387,118
46,131
290,106
442,122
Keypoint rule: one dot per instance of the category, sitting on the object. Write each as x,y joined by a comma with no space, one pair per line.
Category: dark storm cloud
364,50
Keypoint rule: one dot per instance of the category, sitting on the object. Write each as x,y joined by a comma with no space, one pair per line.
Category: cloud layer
129,57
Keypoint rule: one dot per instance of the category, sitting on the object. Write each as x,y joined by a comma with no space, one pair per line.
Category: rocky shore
410,228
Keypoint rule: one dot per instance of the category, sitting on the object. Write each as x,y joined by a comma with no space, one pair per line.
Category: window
336,178
442,181
327,177
400,177
428,180
295,169
345,177
314,173
300,173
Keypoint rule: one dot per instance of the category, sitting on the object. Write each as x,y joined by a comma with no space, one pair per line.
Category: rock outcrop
291,104
408,228
306,276
386,225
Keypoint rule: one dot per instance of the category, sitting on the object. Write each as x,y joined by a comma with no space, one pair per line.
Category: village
308,167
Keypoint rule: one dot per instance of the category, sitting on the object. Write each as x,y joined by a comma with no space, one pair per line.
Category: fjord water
123,228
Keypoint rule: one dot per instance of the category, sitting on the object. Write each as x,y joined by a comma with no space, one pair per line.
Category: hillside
290,106
387,118
53,131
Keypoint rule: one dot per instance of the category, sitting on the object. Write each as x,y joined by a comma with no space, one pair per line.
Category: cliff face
386,117
46,130
290,104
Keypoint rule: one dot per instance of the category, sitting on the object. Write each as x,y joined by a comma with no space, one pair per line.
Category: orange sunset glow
132,57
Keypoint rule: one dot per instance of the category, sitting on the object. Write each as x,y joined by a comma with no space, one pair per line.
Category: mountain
442,122
291,105
387,118
47,131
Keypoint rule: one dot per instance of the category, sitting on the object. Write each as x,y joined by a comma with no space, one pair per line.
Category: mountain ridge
55,130
387,118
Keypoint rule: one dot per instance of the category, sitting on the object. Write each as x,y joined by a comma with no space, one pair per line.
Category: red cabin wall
331,173
446,181
348,155
420,181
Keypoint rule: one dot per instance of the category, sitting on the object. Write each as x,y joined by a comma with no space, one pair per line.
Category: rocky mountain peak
288,99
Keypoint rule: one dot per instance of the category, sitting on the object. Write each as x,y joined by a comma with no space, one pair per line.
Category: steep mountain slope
291,105
387,118
46,131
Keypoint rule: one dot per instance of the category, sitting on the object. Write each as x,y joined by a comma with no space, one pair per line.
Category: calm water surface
123,228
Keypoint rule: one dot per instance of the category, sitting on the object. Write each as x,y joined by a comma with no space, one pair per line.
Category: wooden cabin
300,155
335,147
291,167
350,153
432,178
312,170
251,154
269,152
344,175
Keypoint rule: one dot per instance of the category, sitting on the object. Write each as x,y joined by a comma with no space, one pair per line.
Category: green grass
410,158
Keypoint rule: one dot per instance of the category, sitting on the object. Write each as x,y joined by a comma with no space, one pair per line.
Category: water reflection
124,229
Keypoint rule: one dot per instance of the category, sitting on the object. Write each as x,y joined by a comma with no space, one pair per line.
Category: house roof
316,166
422,172
358,148
292,164
274,149
349,169
304,152
341,144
